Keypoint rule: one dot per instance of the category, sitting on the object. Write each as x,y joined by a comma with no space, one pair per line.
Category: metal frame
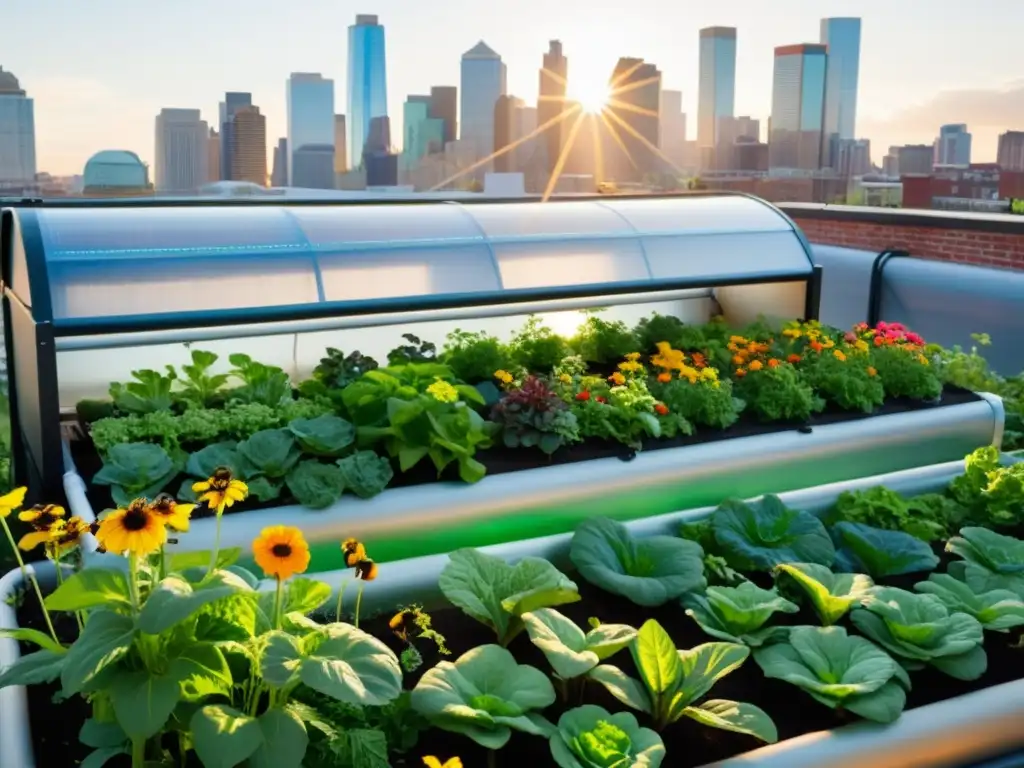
874,314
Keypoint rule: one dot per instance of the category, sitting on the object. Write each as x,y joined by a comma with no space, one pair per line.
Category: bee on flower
133,530
221,490
43,518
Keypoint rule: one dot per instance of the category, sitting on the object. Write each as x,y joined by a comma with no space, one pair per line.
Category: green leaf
362,748
264,489
735,716
143,702
706,664
326,435
880,553
590,736
104,641
738,614
204,462
182,561
98,734
33,669
656,659
100,757
649,571
832,595
365,473
175,600
993,561
570,652
284,741
202,671
34,636
282,658
998,610
90,587
272,452
223,737
305,595
623,687
316,485
353,667
759,538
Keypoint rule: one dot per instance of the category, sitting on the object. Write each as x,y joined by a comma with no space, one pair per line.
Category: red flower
914,338
793,359
699,361
879,341
661,409
584,395
817,346
601,399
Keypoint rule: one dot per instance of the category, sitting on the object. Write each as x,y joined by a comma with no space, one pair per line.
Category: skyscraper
367,82
798,107
716,97
17,133
340,145
310,103
551,102
638,84
424,135
505,119
672,130
842,36
279,171
483,82
233,101
953,147
213,167
444,105
182,151
1011,151
249,146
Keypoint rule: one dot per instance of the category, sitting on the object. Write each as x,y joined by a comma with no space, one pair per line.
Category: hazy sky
100,70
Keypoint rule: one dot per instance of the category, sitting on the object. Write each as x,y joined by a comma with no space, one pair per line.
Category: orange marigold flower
756,365
617,378
838,355
661,409
793,359
872,371
773,363
740,373
699,361
739,359
817,346
664,378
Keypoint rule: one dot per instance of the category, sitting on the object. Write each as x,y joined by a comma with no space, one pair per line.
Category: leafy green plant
844,380
365,473
590,737
536,347
603,341
673,684
920,630
905,372
325,435
532,414
263,384
271,453
414,351
832,595
571,652
315,485
998,610
337,370
760,537
880,553
739,614
498,594
200,387
485,695
650,331
841,671
969,370
990,560
993,493
150,392
475,357
134,470
648,571
778,394
881,507
705,402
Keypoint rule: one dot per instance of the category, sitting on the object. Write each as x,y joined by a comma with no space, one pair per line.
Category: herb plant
832,595
264,384
474,357
928,518
905,372
590,737
603,341
673,684
703,400
532,415
657,329
536,347
337,370
844,378
150,392
414,351
777,393
200,387
739,614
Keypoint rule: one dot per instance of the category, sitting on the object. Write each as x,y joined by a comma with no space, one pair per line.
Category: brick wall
952,237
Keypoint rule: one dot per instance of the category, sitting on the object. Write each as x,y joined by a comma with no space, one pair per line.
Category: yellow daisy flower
135,530
220,490
12,501
174,515
281,551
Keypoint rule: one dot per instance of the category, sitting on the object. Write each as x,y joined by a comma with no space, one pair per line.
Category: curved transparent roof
118,261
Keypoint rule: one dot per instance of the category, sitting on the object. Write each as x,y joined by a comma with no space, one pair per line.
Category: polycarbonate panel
379,274
329,227
534,219
545,265
727,213
725,255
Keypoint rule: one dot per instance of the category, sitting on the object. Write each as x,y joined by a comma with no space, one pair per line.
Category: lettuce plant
532,414
498,594
571,652
673,684
760,537
832,595
325,435
150,392
134,470
993,493
990,560
264,384
485,695
879,553
271,453
590,737
738,614
998,610
920,630
841,671
649,571
927,519
200,387
365,473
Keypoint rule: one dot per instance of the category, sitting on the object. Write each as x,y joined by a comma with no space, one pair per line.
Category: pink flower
850,337
914,338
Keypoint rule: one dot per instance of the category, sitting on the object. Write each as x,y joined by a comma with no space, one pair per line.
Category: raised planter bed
947,723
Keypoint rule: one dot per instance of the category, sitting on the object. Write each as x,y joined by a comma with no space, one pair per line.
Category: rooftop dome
116,168
9,83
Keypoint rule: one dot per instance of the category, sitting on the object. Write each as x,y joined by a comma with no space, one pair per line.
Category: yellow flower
922,360
709,374
134,530
565,378
281,552
633,357
792,333
66,536
617,379
838,355
828,343
691,374
354,551
503,376
175,516
443,392
630,366
860,345
668,358
11,501
42,516
220,490
432,762
737,340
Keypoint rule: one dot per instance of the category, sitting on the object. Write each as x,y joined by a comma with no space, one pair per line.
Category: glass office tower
842,36
716,97
17,132
310,102
367,83
798,107
483,83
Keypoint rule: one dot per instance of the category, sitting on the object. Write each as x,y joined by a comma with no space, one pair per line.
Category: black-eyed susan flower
281,551
134,530
354,551
42,516
366,570
174,515
220,490
12,501
66,536
433,762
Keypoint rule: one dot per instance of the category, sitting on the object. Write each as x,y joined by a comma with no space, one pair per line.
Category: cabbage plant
673,684
998,610
920,630
649,571
485,695
879,553
839,670
832,595
136,470
761,536
589,737
739,614
990,560
325,435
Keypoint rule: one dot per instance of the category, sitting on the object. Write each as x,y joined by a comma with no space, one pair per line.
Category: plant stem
278,603
341,594
492,759
138,753
133,585
163,562
359,600
30,577
216,546
60,582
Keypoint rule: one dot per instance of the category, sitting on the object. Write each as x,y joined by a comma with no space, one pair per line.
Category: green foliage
905,372
993,493
571,652
150,392
271,452
603,341
778,394
761,537
928,518
315,485
990,560
498,594
365,473
968,370
200,387
134,470
880,553
263,384
474,357
998,610
657,328
533,415
485,695
844,382
832,595
590,737
920,630
648,571
414,351
536,347
840,671
739,614
672,682
337,370
325,435
702,402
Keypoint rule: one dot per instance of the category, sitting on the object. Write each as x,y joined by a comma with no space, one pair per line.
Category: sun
592,95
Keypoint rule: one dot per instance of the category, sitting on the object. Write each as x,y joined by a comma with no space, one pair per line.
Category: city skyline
901,100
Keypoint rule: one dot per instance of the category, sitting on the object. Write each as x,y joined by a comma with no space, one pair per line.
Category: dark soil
500,459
